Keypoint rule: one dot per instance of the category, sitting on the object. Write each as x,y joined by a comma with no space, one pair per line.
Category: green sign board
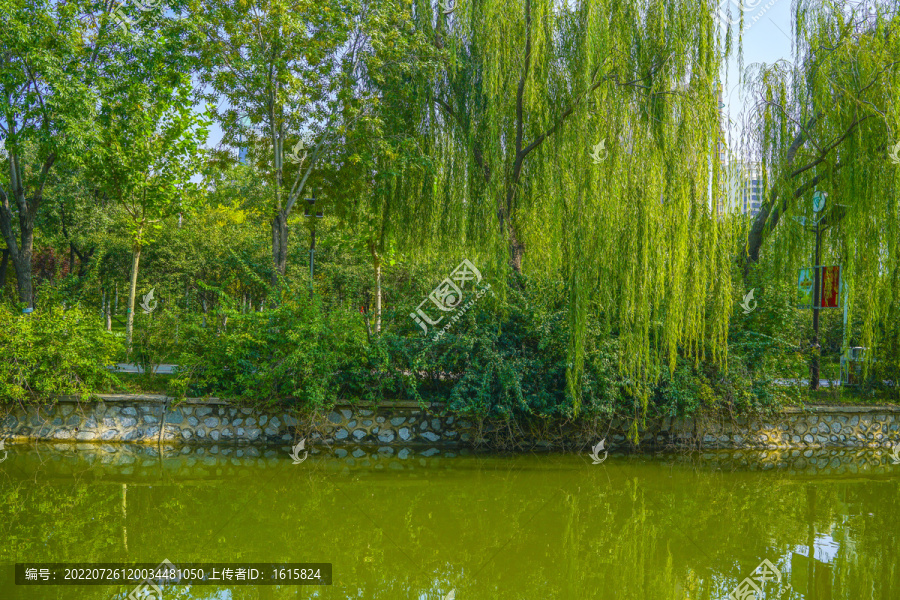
805,284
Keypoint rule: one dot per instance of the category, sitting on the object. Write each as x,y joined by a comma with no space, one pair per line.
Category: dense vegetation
609,280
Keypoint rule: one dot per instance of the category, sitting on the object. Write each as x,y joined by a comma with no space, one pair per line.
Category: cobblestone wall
124,418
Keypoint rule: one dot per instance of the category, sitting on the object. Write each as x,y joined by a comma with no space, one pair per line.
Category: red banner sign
830,283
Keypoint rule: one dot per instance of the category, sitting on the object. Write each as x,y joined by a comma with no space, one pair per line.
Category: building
751,188
743,182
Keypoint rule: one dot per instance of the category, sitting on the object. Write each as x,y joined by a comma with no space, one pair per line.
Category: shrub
53,351
294,351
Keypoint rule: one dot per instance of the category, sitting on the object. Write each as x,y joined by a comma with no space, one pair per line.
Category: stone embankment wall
157,419
153,419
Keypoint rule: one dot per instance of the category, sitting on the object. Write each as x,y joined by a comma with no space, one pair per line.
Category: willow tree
578,139
829,121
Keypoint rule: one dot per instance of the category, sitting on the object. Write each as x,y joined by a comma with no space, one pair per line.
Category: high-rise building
751,188
742,180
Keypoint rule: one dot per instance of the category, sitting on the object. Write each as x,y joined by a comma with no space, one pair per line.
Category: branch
830,147
520,93
42,181
476,150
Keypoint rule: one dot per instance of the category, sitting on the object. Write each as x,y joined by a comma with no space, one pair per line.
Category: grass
850,396
145,383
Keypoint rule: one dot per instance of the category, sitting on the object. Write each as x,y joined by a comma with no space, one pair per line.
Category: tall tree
149,150
282,68
387,158
50,53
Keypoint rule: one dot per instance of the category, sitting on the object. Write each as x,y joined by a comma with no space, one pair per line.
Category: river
420,524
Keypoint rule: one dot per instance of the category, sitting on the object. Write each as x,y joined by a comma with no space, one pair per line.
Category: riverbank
160,419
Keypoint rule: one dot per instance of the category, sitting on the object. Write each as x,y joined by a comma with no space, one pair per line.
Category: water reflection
418,522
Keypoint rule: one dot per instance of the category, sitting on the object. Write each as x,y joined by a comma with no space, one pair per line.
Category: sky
766,39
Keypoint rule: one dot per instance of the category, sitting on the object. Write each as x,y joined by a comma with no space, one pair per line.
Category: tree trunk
817,286
20,256
516,250
108,302
376,262
22,264
3,264
279,246
129,324
27,210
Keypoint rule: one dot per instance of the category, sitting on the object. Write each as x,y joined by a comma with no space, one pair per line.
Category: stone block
174,416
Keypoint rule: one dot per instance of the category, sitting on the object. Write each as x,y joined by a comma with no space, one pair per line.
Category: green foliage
294,352
507,358
53,351
829,122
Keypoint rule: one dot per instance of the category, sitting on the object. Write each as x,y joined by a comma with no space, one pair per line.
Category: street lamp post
814,370
818,207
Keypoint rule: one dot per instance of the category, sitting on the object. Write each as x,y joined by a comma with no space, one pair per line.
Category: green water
548,526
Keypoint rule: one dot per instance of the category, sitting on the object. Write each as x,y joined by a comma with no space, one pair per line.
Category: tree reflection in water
492,527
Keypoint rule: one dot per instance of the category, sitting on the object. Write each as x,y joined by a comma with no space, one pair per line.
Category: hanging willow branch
529,89
843,85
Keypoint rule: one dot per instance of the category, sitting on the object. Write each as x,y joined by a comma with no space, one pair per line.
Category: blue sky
766,40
